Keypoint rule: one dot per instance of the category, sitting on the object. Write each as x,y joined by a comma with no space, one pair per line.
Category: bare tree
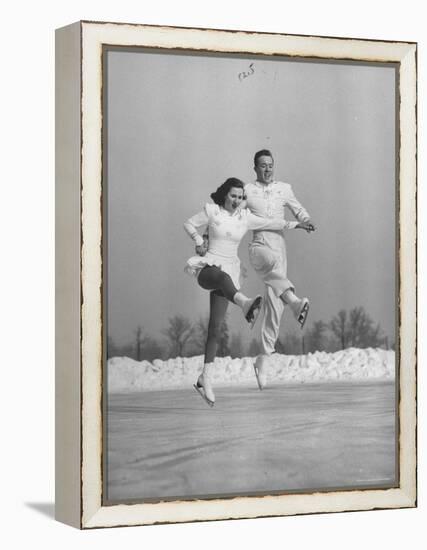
179,333
151,349
201,334
145,347
126,350
138,342
315,338
362,331
290,344
254,348
223,341
339,328
236,346
356,329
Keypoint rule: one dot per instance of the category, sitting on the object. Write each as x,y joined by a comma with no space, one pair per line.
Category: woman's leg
218,309
212,277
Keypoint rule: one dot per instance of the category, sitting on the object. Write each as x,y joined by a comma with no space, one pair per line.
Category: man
267,253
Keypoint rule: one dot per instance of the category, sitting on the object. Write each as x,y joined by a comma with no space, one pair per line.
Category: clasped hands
307,226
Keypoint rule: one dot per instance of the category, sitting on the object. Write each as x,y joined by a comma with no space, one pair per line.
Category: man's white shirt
270,201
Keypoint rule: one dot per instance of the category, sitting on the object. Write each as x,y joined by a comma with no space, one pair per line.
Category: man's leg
273,311
270,265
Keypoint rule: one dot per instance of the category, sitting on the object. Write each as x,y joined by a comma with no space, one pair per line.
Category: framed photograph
235,274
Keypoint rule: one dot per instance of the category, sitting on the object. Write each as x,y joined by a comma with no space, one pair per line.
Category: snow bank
127,375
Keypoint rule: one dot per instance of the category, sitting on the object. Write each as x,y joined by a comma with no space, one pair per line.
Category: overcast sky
179,125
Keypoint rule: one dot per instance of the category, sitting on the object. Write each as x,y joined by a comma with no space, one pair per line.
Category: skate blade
302,317
257,378
203,396
253,313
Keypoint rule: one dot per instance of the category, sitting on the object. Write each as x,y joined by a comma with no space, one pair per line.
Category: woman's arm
191,225
273,224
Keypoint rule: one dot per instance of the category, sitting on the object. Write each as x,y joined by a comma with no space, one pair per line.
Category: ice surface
128,375
290,437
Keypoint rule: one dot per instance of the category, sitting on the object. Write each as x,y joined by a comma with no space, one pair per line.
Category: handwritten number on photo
245,74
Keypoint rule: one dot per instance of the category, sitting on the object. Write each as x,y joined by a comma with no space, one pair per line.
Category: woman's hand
202,249
307,226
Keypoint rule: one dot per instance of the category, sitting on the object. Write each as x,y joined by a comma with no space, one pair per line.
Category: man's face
264,169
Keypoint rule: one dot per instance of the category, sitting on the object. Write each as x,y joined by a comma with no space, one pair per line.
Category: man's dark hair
262,153
219,196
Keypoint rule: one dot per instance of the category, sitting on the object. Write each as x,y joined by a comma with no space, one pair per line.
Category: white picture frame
79,272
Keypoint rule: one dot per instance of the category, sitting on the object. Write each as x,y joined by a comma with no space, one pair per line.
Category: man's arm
296,207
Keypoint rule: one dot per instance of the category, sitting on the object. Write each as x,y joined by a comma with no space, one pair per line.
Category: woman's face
233,199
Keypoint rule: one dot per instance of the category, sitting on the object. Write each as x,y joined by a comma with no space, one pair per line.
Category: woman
217,266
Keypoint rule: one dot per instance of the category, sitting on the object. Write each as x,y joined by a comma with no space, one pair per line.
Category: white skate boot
260,368
204,387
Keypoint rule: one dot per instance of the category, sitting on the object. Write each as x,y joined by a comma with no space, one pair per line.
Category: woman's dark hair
219,196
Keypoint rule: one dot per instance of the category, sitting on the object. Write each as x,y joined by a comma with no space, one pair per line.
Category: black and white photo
247,270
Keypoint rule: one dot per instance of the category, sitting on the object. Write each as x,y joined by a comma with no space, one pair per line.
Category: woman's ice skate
252,310
204,387
300,310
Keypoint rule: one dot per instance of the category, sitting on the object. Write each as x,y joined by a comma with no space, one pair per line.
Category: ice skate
204,387
300,310
252,310
260,371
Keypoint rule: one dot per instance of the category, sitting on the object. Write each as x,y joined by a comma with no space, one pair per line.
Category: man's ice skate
300,310
260,371
252,310
204,387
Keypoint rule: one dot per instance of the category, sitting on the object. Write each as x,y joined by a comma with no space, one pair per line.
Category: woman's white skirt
230,266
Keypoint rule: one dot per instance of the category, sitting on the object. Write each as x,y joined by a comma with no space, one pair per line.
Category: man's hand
307,226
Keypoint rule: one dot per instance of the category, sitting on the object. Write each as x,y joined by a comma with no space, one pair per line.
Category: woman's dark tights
223,290
212,277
